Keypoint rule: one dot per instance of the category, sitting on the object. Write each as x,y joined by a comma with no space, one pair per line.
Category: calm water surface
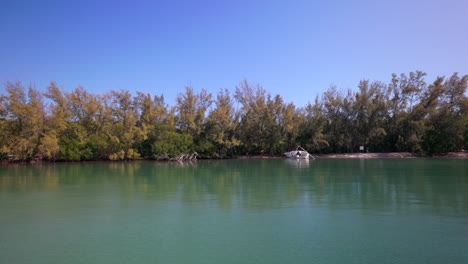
236,211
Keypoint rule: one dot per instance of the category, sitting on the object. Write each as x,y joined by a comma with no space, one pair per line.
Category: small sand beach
451,155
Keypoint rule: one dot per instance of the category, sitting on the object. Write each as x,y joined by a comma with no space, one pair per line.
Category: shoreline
376,155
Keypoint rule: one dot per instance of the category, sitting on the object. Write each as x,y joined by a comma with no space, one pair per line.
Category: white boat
299,153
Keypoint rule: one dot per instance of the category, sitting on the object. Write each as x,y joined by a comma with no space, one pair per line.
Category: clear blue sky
294,48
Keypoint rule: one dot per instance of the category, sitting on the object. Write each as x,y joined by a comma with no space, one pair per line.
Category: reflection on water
378,185
298,163
235,211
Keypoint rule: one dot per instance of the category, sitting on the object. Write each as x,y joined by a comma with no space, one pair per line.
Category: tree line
406,114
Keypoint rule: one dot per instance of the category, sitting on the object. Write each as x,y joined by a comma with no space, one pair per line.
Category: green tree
370,111
156,119
405,127
125,131
191,110
4,132
312,127
254,119
92,117
337,128
405,115
26,122
220,126
153,111
57,122
291,121
448,110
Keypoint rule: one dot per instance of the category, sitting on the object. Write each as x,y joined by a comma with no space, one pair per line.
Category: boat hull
297,154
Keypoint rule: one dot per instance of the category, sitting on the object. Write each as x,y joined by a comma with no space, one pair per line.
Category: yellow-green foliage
407,114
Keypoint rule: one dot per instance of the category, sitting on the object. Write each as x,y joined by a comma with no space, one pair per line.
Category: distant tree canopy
406,114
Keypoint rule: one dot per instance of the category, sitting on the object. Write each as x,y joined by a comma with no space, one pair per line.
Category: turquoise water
236,211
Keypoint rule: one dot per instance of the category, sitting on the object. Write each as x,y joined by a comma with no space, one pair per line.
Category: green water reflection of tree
377,185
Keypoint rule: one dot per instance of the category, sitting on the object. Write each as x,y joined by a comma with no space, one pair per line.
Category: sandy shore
450,155
370,155
393,155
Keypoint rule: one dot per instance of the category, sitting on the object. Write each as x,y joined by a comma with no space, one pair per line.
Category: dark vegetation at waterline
406,114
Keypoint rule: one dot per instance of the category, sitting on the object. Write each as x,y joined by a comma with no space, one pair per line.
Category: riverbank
394,155
380,155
